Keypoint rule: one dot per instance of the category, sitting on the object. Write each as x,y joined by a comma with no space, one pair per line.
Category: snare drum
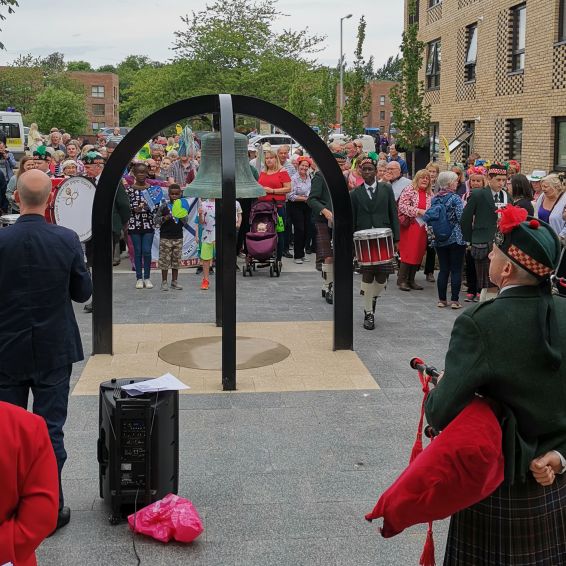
374,246
50,206
8,219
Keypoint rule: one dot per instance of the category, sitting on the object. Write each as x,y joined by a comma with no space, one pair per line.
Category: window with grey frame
469,126
515,138
471,52
562,20
433,65
433,3
434,140
560,144
519,28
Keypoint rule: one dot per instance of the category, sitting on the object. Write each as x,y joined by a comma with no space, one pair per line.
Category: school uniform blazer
30,486
319,197
514,372
379,212
479,219
43,270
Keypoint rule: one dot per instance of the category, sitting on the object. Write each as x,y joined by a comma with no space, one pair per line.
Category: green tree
410,114
106,69
326,95
11,4
61,108
84,66
392,70
356,91
19,87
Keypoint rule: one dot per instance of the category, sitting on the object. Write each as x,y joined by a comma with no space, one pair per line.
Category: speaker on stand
138,447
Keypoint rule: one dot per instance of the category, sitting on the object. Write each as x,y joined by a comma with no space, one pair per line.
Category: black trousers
299,214
430,260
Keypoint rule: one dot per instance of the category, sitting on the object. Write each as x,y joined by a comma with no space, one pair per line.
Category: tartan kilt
519,525
323,241
387,268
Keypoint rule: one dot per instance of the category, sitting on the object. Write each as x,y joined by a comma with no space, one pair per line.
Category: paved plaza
281,477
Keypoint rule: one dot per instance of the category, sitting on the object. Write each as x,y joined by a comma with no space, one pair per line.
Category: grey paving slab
278,478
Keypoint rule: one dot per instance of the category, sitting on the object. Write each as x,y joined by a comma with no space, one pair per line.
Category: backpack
437,218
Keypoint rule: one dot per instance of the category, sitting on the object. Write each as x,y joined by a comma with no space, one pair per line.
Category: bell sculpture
208,182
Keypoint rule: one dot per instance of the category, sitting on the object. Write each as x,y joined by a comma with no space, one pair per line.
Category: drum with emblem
73,206
374,246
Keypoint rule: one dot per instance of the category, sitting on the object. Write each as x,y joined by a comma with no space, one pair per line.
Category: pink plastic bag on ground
172,517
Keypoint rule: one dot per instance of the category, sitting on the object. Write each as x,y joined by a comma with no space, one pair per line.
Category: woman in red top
277,183
413,203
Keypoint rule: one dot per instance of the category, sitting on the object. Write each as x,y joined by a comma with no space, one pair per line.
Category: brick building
102,98
497,69
381,113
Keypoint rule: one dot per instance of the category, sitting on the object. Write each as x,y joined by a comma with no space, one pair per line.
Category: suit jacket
379,212
319,197
514,372
479,219
42,271
30,485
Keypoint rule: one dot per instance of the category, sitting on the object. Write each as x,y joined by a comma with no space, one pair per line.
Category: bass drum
73,206
49,207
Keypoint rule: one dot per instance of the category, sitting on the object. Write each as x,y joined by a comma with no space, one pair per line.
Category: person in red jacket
30,486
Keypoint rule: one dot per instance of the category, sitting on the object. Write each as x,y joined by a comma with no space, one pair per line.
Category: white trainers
299,261
164,286
176,286
139,284
148,284
306,258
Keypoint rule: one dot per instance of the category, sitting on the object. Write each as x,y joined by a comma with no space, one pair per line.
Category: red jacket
30,486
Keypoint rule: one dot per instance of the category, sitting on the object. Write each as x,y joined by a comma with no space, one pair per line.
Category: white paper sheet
167,382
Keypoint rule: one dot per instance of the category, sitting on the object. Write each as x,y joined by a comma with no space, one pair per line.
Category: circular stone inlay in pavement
206,353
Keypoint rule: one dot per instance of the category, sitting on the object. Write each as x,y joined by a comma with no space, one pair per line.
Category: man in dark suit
479,222
42,271
373,206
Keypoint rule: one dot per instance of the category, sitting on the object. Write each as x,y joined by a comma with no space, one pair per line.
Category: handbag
280,225
404,220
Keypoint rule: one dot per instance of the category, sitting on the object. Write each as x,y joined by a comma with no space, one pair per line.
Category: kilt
386,268
323,241
519,525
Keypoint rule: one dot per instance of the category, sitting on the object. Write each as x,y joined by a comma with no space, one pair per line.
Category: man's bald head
33,189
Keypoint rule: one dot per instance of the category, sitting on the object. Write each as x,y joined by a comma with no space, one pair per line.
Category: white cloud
115,29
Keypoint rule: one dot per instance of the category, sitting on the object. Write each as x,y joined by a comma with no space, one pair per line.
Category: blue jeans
142,250
50,389
450,259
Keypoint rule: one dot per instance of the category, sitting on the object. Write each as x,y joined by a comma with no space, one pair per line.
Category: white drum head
73,206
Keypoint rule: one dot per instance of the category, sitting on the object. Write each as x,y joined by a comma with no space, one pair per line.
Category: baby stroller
261,240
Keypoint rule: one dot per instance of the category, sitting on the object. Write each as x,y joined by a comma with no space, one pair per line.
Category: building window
562,24
94,126
433,65
434,140
432,3
560,144
469,126
414,16
115,93
98,110
515,138
471,52
382,115
97,91
519,23
382,100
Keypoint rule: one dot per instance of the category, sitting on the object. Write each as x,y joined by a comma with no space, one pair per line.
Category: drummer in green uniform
373,206
511,350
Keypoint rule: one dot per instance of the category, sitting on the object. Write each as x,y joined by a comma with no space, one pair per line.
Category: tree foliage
410,113
326,95
61,108
392,70
83,66
356,91
10,4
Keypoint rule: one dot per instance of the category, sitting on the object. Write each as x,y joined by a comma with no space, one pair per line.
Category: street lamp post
341,62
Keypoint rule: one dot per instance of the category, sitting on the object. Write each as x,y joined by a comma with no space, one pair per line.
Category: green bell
208,182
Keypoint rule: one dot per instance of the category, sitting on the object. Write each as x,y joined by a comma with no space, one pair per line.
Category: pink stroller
261,240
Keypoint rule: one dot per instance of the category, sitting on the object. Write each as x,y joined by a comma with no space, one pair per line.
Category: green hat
40,154
529,242
93,157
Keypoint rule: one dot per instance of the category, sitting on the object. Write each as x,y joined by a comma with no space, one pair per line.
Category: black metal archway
224,106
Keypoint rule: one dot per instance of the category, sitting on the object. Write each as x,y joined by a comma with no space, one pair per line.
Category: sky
106,31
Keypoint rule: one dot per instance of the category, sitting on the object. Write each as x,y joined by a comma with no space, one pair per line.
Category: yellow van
12,127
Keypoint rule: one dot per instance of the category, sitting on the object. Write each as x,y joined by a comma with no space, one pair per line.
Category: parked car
276,140
109,131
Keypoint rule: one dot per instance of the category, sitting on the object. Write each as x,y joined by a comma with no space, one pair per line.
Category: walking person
40,337
448,240
511,351
298,209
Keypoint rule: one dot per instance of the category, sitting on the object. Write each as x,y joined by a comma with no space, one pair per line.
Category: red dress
413,238
274,181
30,487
